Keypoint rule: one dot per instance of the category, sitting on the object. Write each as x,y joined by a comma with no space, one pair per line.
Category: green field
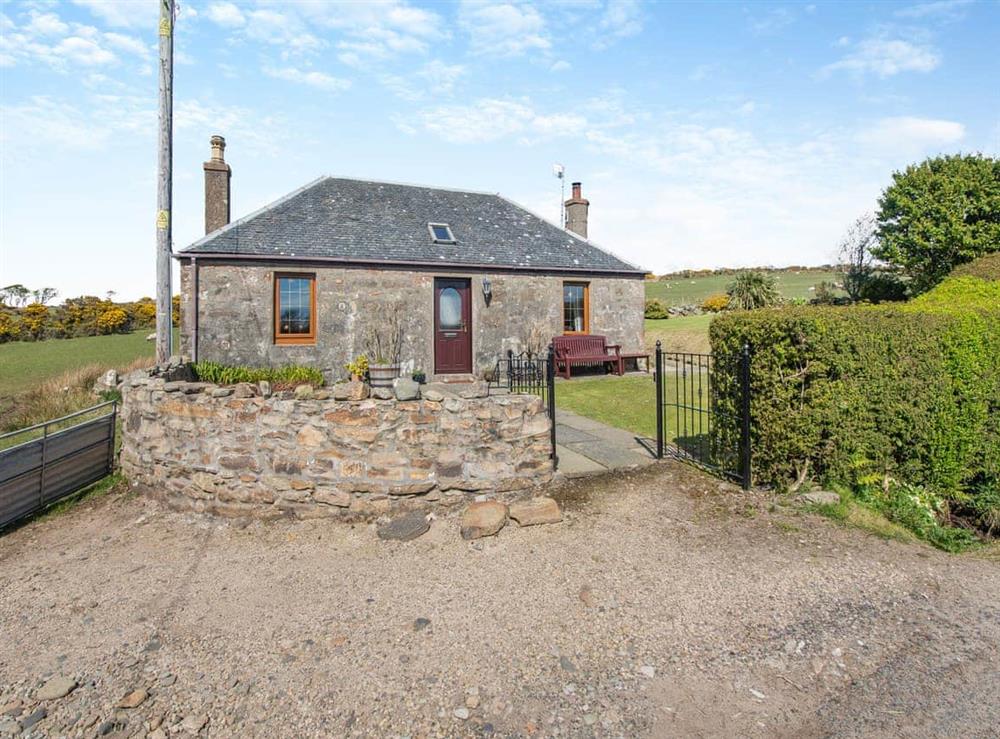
25,364
681,334
694,290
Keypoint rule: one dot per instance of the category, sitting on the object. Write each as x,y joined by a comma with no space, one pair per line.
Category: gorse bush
286,376
656,308
86,315
908,392
715,303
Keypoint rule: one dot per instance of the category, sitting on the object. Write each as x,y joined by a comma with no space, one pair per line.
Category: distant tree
17,296
44,295
855,253
938,214
751,290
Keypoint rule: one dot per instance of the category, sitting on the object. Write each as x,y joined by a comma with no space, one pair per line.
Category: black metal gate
60,461
703,411
532,374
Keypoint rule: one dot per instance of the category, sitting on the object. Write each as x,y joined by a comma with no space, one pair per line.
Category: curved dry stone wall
232,452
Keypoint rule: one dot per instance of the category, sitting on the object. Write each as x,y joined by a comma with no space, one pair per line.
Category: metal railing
703,405
60,461
532,374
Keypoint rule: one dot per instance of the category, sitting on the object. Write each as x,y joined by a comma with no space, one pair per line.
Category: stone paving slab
586,446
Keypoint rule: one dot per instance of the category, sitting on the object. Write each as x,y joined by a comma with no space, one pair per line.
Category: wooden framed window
294,308
576,308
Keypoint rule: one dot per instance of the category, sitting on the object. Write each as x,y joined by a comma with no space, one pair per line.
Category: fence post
550,382
510,370
41,475
658,376
745,450
114,429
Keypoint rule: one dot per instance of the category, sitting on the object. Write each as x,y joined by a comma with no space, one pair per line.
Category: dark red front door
452,326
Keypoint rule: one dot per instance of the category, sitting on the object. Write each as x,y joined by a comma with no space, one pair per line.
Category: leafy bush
825,293
656,308
286,376
911,391
715,303
752,290
938,214
919,510
881,287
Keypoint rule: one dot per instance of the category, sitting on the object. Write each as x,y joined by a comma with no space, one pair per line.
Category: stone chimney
576,212
217,177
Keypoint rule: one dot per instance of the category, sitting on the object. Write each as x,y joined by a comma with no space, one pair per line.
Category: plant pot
382,375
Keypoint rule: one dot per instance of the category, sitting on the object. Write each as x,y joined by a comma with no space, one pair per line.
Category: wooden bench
636,356
586,350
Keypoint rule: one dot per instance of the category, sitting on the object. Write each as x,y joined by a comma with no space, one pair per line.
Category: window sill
288,341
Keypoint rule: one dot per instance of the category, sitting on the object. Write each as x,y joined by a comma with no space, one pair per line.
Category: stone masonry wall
236,313
201,447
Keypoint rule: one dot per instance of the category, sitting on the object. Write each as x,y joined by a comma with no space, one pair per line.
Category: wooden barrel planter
382,375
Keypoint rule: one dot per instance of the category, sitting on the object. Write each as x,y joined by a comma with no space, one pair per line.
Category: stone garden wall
232,452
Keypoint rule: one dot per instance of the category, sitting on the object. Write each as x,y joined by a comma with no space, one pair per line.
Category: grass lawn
695,290
627,402
680,334
24,364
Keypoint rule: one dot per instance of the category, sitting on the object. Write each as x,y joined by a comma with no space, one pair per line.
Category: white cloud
131,14
621,19
46,24
911,136
560,66
282,29
226,14
440,76
77,50
503,29
126,43
772,21
885,57
319,80
948,10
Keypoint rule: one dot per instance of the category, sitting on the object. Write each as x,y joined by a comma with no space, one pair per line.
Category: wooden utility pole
164,186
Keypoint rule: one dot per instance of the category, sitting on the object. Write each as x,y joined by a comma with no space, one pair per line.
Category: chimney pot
217,186
577,209
218,149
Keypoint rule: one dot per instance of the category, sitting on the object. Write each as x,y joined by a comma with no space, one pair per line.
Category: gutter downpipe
194,327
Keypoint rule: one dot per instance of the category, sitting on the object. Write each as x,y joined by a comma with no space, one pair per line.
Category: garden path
587,447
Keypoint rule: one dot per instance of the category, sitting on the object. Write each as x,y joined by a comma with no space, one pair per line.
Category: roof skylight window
441,233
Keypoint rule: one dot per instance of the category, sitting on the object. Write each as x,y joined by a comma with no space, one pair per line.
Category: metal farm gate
61,461
703,411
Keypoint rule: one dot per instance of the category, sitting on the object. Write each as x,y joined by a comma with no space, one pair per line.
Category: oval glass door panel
449,310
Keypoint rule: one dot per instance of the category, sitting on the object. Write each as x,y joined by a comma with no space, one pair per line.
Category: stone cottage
470,275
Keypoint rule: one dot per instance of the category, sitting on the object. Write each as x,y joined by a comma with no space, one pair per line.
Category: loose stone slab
57,687
483,519
535,511
405,528
819,497
133,699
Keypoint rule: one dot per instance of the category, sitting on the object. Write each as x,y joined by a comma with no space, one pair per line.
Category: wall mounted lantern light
487,290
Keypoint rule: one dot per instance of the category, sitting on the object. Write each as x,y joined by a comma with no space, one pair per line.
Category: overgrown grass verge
902,513
56,397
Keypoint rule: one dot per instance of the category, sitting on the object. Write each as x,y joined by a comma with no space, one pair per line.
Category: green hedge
909,391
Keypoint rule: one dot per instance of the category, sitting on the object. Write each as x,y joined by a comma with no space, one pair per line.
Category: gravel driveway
661,606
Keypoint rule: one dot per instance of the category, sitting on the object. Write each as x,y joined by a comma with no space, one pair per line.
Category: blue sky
704,134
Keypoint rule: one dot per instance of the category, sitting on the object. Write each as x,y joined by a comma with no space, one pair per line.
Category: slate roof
362,221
